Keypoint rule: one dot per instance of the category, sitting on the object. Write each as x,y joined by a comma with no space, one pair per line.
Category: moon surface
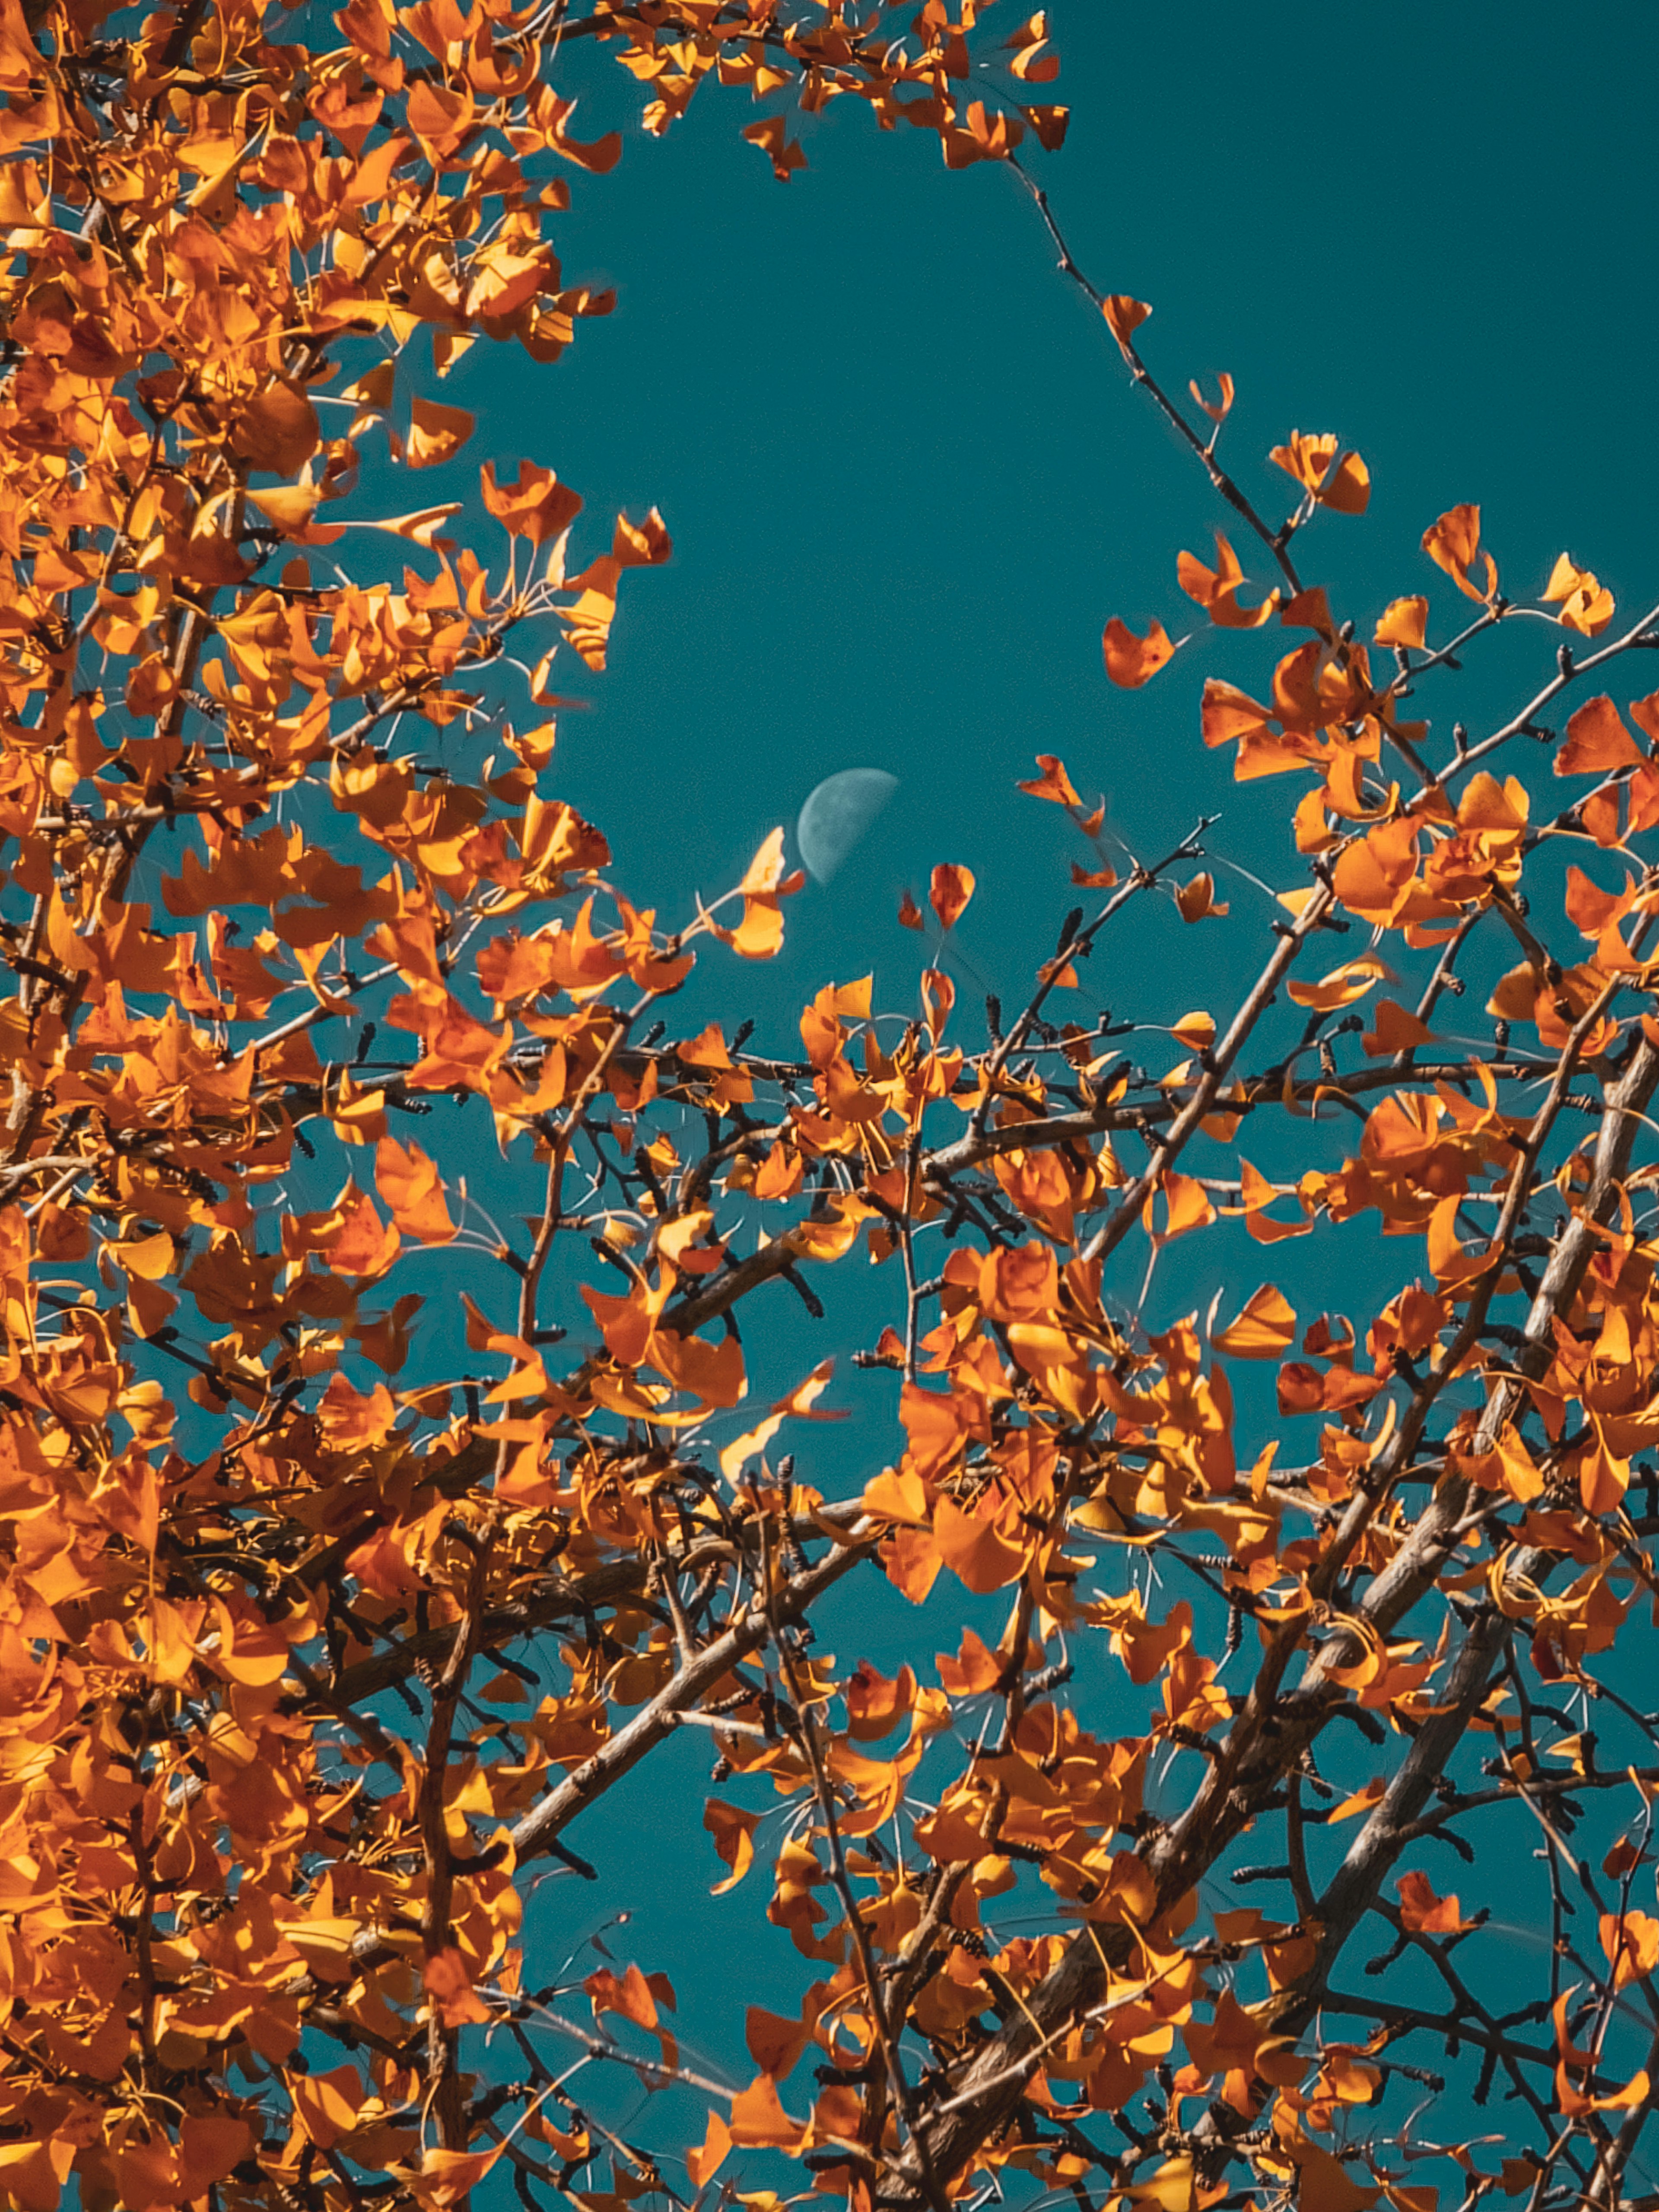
837,815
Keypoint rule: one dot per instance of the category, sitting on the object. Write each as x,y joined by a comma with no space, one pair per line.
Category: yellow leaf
1343,985
1586,604
420,528
150,1257
435,433
1265,1328
290,506
1363,1801
1403,623
765,871
1132,660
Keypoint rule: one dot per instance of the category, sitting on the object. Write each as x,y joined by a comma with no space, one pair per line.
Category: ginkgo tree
312,1659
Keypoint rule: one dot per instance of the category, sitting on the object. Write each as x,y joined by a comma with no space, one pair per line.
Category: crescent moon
837,815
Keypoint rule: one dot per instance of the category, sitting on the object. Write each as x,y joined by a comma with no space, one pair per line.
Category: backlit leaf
1131,660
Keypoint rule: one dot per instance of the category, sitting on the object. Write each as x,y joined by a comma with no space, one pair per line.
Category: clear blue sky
907,482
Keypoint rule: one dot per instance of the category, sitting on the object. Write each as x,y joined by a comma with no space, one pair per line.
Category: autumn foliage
314,1662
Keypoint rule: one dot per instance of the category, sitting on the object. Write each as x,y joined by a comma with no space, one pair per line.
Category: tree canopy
315,1661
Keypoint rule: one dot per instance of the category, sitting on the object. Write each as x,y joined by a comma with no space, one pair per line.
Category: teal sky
908,482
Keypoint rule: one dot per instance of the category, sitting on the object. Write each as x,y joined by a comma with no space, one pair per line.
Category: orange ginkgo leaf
1362,1800
774,2043
1597,741
1218,410
439,117
1307,457
1131,660
327,2104
1423,1911
633,546
350,1236
423,528
1265,1329
765,873
630,1995
1256,1194
1186,1203
1452,543
986,1554
1343,985
1344,485
758,2120
370,394
949,892
875,1704
1217,589
1348,489
897,1495
1050,125
448,2176
1053,783
1403,623
1174,2185
1575,2098
290,506
1197,901
712,1372
535,505
1590,908
1030,64
449,1985
702,2165
991,136
732,1830
1124,316
909,914
784,152
598,156
1586,604
1394,1028
435,433
33,2175
1644,713
1603,1476
1630,1941
411,1186
1323,2184
277,430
